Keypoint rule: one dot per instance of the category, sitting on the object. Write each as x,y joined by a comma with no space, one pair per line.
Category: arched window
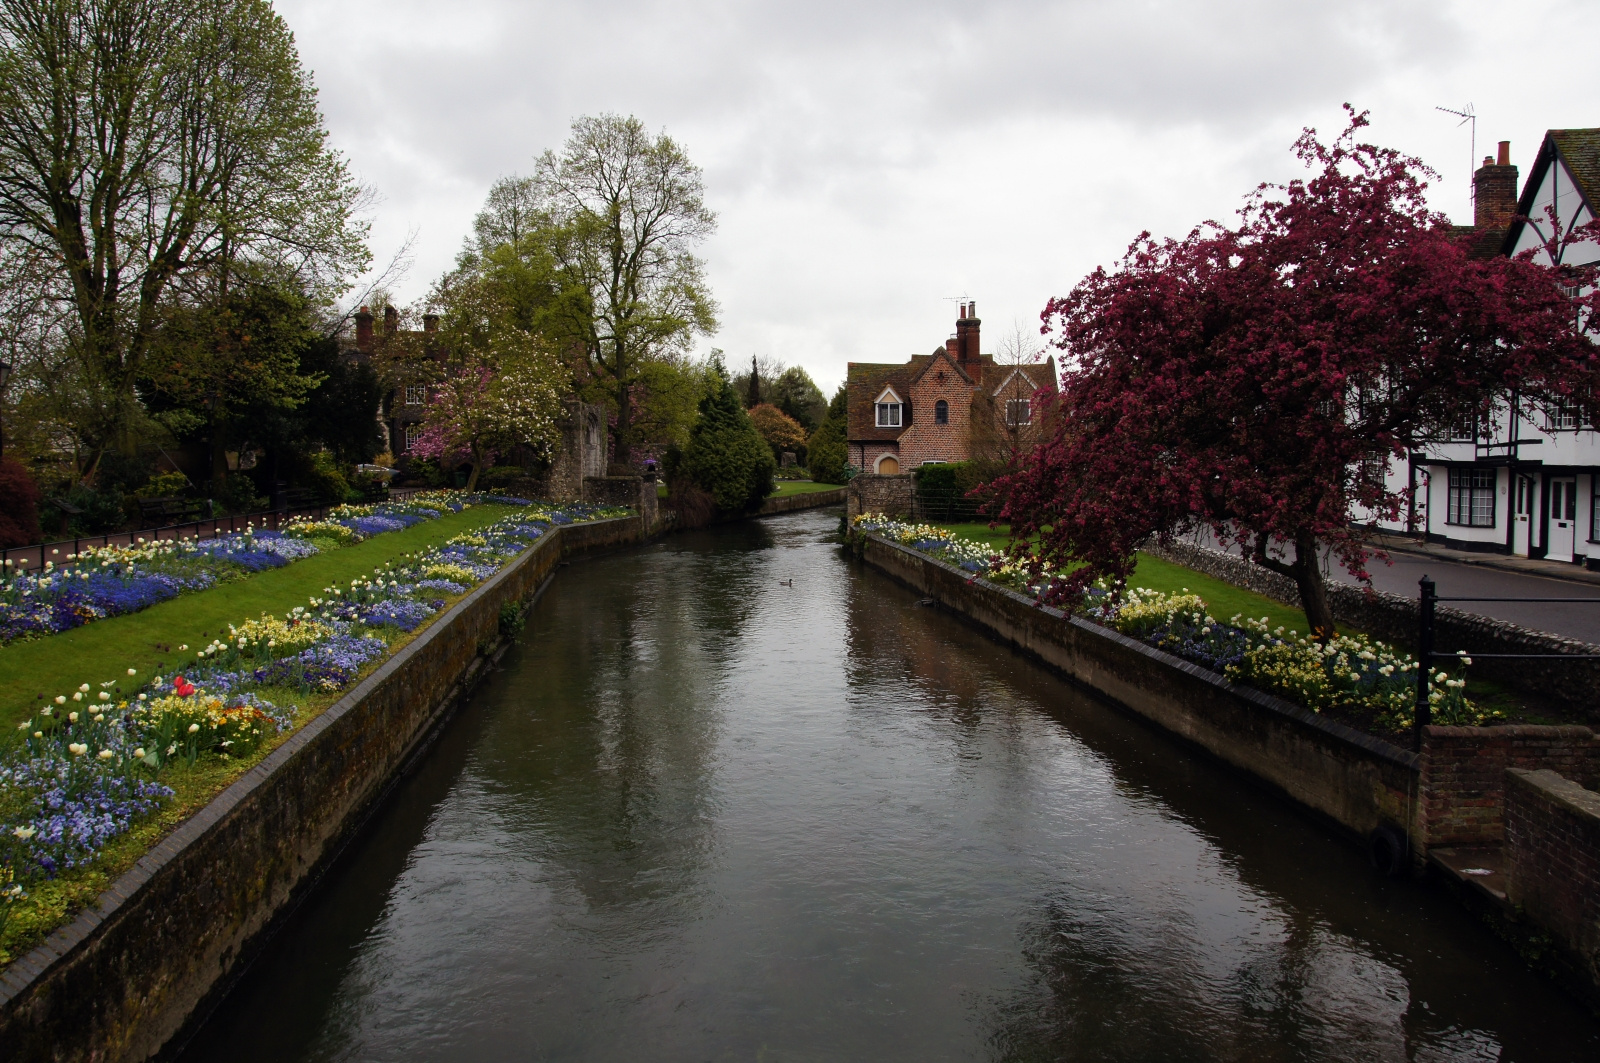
941,412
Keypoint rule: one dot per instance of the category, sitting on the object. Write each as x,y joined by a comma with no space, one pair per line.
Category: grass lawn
32,672
1223,599
801,487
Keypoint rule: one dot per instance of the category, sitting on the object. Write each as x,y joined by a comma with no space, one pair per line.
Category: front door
888,465
1563,519
1520,515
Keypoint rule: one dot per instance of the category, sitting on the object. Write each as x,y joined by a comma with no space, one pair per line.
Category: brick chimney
391,321
364,330
967,350
1494,189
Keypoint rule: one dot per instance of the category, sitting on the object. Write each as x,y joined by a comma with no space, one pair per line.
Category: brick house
403,405
955,404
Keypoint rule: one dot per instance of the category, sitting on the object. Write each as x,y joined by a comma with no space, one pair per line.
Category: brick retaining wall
1463,791
124,976
1552,832
1393,618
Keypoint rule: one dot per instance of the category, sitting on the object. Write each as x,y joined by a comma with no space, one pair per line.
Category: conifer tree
726,456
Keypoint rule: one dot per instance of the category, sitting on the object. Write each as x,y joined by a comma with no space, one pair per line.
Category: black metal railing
1427,601
945,506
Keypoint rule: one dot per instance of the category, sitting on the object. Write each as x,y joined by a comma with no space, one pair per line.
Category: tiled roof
1580,150
865,381
1481,243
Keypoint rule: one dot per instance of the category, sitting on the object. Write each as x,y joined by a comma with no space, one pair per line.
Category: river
702,814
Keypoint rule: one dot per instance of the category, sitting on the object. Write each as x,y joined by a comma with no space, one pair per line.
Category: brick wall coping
21,976
1267,702
1560,790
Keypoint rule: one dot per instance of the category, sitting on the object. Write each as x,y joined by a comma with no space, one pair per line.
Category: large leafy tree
145,146
625,210
1256,380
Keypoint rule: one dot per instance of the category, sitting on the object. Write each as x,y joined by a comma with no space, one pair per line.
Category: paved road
1467,580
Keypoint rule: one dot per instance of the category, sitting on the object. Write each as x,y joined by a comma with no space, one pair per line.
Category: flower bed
87,766
109,581
1368,682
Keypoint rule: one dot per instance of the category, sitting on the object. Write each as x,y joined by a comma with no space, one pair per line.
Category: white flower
133,671
61,699
193,727
105,754
72,716
173,748
104,696
25,832
78,749
38,734
77,695
139,752
141,697
84,688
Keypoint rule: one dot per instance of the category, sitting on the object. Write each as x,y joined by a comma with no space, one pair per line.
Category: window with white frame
1562,417
413,432
1019,412
1464,429
1471,499
416,394
888,415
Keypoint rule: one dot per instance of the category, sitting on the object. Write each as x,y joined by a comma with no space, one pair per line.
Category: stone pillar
582,453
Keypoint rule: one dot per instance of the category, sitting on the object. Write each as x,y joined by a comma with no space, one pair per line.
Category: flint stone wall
871,493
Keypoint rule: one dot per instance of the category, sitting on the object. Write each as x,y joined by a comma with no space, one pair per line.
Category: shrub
827,452
726,456
238,494
326,479
167,485
19,505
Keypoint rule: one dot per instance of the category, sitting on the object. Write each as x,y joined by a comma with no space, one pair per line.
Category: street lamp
5,374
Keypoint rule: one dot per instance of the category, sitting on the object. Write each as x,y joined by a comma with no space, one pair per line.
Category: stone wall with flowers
123,977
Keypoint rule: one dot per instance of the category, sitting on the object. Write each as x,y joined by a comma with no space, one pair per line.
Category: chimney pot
430,322
1494,191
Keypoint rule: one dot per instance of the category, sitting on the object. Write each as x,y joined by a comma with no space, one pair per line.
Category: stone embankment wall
794,503
1394,619
125,976
1470,786
1358,781
871,493
1552,828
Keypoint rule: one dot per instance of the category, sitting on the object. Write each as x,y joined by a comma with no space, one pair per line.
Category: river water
700,814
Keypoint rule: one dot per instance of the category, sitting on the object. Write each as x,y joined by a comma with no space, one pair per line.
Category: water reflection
703,815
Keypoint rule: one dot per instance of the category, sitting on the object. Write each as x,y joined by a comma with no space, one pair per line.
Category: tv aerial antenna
1468,116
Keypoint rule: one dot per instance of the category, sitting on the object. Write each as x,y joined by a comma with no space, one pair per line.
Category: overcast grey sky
870,161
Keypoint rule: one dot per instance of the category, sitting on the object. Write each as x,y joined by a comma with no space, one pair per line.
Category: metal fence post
1425,607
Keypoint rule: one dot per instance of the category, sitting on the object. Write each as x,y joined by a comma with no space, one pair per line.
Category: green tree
624,211
827,453
226,361
145,144
796,394
726,456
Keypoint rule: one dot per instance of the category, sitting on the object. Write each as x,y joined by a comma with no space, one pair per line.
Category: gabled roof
1038,375
864,382
1579,150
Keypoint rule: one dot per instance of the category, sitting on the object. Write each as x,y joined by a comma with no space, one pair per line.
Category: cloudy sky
872,162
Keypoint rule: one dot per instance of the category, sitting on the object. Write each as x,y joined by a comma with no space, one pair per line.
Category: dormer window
890,409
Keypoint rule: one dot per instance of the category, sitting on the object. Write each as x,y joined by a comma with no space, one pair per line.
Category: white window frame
889,410
416,394
1470,497
411,433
